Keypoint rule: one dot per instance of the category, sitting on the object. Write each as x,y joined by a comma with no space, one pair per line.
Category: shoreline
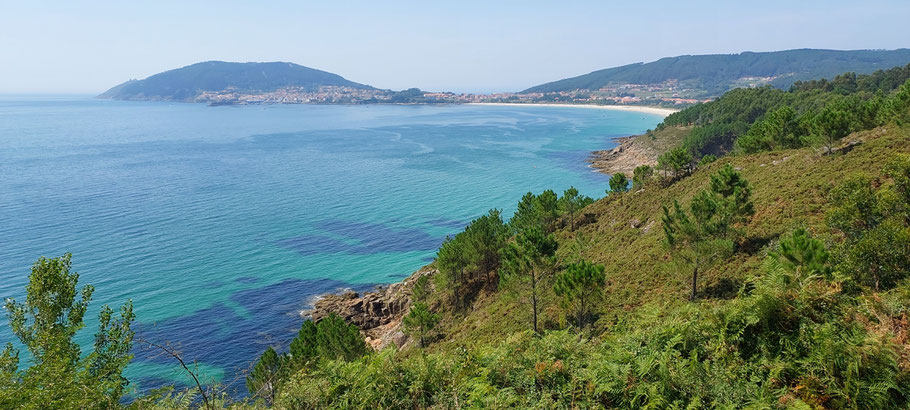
631,108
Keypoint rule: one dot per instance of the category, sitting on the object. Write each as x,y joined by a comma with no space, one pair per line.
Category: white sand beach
634,108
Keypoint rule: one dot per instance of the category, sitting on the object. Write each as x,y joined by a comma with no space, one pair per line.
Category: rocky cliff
378,314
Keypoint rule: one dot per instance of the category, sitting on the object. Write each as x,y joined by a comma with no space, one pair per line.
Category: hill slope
716,73
183,84
740,343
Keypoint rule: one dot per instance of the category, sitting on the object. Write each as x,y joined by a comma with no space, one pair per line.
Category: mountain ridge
717,73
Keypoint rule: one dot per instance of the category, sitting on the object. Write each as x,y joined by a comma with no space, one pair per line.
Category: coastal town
668,94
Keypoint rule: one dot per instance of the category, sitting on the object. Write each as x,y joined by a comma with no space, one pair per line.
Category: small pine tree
525,262
735,198
618,184
640,176
693,236
304,348
421,289
803,255
420,321
580,285
264,378
677,160
337,339
571,202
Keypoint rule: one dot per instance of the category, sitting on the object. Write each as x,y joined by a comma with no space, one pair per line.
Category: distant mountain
716,73
185,84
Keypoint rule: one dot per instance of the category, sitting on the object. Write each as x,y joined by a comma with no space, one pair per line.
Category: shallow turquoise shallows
222,223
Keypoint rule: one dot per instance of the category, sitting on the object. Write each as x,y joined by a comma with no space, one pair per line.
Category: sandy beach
634,108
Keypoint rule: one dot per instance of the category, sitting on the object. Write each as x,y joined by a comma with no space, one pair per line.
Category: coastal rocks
378,314
623,158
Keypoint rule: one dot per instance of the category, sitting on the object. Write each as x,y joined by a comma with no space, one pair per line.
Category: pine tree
693,236
304,348
580,285
525,261
420,321
264,378
640,176
803,255
618,183
735,199
571,202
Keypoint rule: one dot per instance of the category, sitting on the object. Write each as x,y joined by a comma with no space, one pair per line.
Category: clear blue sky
87,46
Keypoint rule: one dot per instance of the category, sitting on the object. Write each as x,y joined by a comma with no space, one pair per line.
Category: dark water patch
365,239
428,259
448,223
318,244
222,337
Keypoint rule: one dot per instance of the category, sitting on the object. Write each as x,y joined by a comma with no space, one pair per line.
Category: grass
625,234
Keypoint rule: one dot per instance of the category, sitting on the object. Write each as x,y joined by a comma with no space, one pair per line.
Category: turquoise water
222,223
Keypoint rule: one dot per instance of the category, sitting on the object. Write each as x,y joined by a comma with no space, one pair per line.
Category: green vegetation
571,202
813,113
640,176
618,183
59,376
875,234
675,163
525,262
716,73
329,339
420,321
580,286
784,282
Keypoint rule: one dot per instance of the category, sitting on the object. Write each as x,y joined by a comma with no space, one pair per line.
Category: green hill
183,84
716,73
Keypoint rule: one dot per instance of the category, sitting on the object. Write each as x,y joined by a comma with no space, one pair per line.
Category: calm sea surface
222,223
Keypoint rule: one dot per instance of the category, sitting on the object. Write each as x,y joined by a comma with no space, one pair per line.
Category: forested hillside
717,73
812,113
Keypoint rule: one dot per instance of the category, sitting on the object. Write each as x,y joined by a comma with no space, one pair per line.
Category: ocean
223,223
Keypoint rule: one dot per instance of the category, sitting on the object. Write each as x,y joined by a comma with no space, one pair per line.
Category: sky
464,46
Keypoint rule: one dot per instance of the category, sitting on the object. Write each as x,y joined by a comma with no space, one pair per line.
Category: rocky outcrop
378,314
629,154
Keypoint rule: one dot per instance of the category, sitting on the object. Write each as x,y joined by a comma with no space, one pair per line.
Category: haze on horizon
471,46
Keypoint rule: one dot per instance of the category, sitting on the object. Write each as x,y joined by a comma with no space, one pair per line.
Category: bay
222,223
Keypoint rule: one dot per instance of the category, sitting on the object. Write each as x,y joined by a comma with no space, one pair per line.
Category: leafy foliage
536,212
264,378
59,376
874,225
792,342
470,256
329,339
